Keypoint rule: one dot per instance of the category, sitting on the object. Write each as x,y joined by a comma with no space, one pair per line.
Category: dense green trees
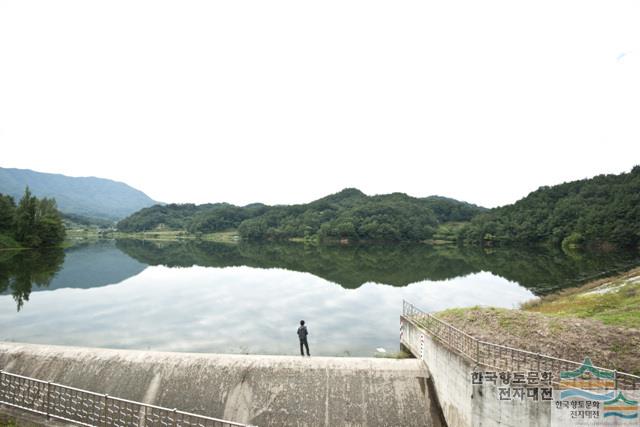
223,217
7,214
601,211
383,219
349,214
172,216
604,210
33,222
352,215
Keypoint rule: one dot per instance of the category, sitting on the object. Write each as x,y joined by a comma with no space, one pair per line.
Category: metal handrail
501,356
87,408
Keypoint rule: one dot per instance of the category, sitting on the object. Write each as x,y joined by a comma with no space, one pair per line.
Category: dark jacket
302,333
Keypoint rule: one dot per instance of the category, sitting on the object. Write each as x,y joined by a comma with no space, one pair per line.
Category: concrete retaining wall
261,390
464,404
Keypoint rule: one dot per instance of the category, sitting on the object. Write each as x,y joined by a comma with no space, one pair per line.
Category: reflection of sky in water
238,310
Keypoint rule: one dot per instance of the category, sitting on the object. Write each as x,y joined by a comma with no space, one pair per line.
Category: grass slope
613,301
600,319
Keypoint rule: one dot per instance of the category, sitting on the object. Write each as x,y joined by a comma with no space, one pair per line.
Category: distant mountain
85,196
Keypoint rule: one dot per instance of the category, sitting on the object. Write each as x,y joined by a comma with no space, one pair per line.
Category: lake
248,298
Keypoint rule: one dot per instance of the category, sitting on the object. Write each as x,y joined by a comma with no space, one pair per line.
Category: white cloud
285,101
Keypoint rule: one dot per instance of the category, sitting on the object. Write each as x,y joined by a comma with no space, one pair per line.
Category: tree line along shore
31,223
601,212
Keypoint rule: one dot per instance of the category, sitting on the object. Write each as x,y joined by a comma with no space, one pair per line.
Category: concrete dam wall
464,404
259,390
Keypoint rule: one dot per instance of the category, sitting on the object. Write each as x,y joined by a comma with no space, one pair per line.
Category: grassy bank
613,301
230,236
600,319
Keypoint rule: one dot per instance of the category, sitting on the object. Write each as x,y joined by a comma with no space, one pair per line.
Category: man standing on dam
302,335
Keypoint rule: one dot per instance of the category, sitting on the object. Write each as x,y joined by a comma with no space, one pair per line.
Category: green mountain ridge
602,211
348,214
82,196
599,211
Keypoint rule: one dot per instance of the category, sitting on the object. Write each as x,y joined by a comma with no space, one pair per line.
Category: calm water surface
206,297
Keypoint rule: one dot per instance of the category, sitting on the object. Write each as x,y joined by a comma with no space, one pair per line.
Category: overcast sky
287,101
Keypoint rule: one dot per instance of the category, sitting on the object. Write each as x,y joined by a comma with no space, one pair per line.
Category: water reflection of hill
349,266
82,266
397,265
108,262
95,264
546,270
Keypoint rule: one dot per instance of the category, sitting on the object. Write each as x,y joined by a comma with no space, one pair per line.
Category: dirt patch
567,338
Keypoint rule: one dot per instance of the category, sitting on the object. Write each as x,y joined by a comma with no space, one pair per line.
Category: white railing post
143,421
104,410
48,407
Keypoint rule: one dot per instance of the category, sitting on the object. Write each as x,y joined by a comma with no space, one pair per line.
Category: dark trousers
303,342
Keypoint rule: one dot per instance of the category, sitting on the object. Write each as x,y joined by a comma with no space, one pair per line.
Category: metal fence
500,356
86,408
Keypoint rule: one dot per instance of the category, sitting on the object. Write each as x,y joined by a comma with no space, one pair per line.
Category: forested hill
86,196
599,211
349,214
